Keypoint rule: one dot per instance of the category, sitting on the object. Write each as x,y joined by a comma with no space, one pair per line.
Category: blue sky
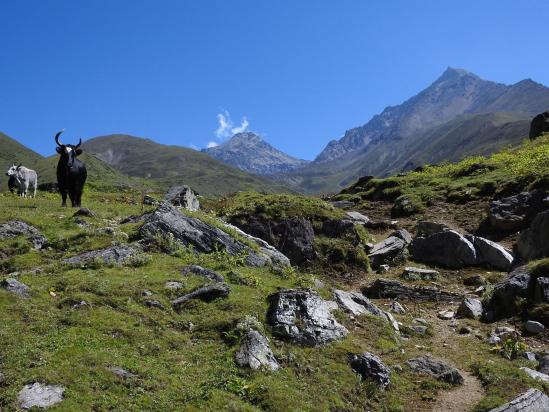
298,72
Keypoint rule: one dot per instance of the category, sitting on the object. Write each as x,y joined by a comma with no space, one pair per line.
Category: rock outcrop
358,304
304,318
16,287
255,353
449,249
111,255
532,400
387,288
533,243
426,365
40,395
518,284
369,366
470,308
205,273
182,196
14,228
491,254
513,213
539,125
296,240
205,293
391,250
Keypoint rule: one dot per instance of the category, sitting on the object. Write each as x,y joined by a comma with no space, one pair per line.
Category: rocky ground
264,302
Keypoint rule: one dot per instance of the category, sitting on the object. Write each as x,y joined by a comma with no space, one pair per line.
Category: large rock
357,217
518,284
470,308
543,366
369,366
390,250
541,290
255,353
513,213
532,400
491,254
533,243
539,125
40,395
358,304
304,318
426,365
14,228
296,240
448,248
388,288
167,221
535,374
14,286
182,196
205,293
111,255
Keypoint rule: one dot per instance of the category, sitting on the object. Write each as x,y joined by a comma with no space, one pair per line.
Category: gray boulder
14,228
167,221
14,286
426,365
296,240
539,125
470,308
200,271
40,395
255,353
543,366
357,217
533,327
533,243
205,293
491,254
535,374
516,285
304,318
532,400
111,255
122,373
541,290
513,213
358,304
448,248
426,228
369,366
403,234
182,196
390,250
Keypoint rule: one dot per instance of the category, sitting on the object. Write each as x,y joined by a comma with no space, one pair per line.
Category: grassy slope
178,366
510,170
478,134
170,165
12,151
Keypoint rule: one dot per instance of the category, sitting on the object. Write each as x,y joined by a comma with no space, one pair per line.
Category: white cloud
226,128
212,144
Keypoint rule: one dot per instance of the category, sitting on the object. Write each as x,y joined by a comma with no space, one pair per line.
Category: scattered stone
533,243
173,285
543,366
446,314
112,255
255,353
397,368
167,221
421,321
535,375
531,356
448,249
513,213
412,273
470,308
369,366
205,273
419,329
14,228
122,373
182,196
390,250
146,292
84,211
149,200
154,304
474,280
387,288
383,268
205,293
358,217
303,317
14,286
426,365
397,308
40,395
491,254
530,401
425,228
80,305
479,291
534,327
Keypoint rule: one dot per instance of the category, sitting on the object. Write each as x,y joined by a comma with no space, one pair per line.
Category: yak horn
57,137
79,143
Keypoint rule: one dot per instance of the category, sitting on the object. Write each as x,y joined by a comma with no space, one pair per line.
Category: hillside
170,165
458,115
249,152
11,151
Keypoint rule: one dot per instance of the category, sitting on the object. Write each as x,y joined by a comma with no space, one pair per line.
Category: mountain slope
249,152
11,151
169,165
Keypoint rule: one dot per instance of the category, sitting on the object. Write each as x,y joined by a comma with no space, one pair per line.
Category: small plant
511,348
138,260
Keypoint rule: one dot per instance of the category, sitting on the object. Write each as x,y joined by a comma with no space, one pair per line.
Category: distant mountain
11,151
459,114
169,165
251,153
